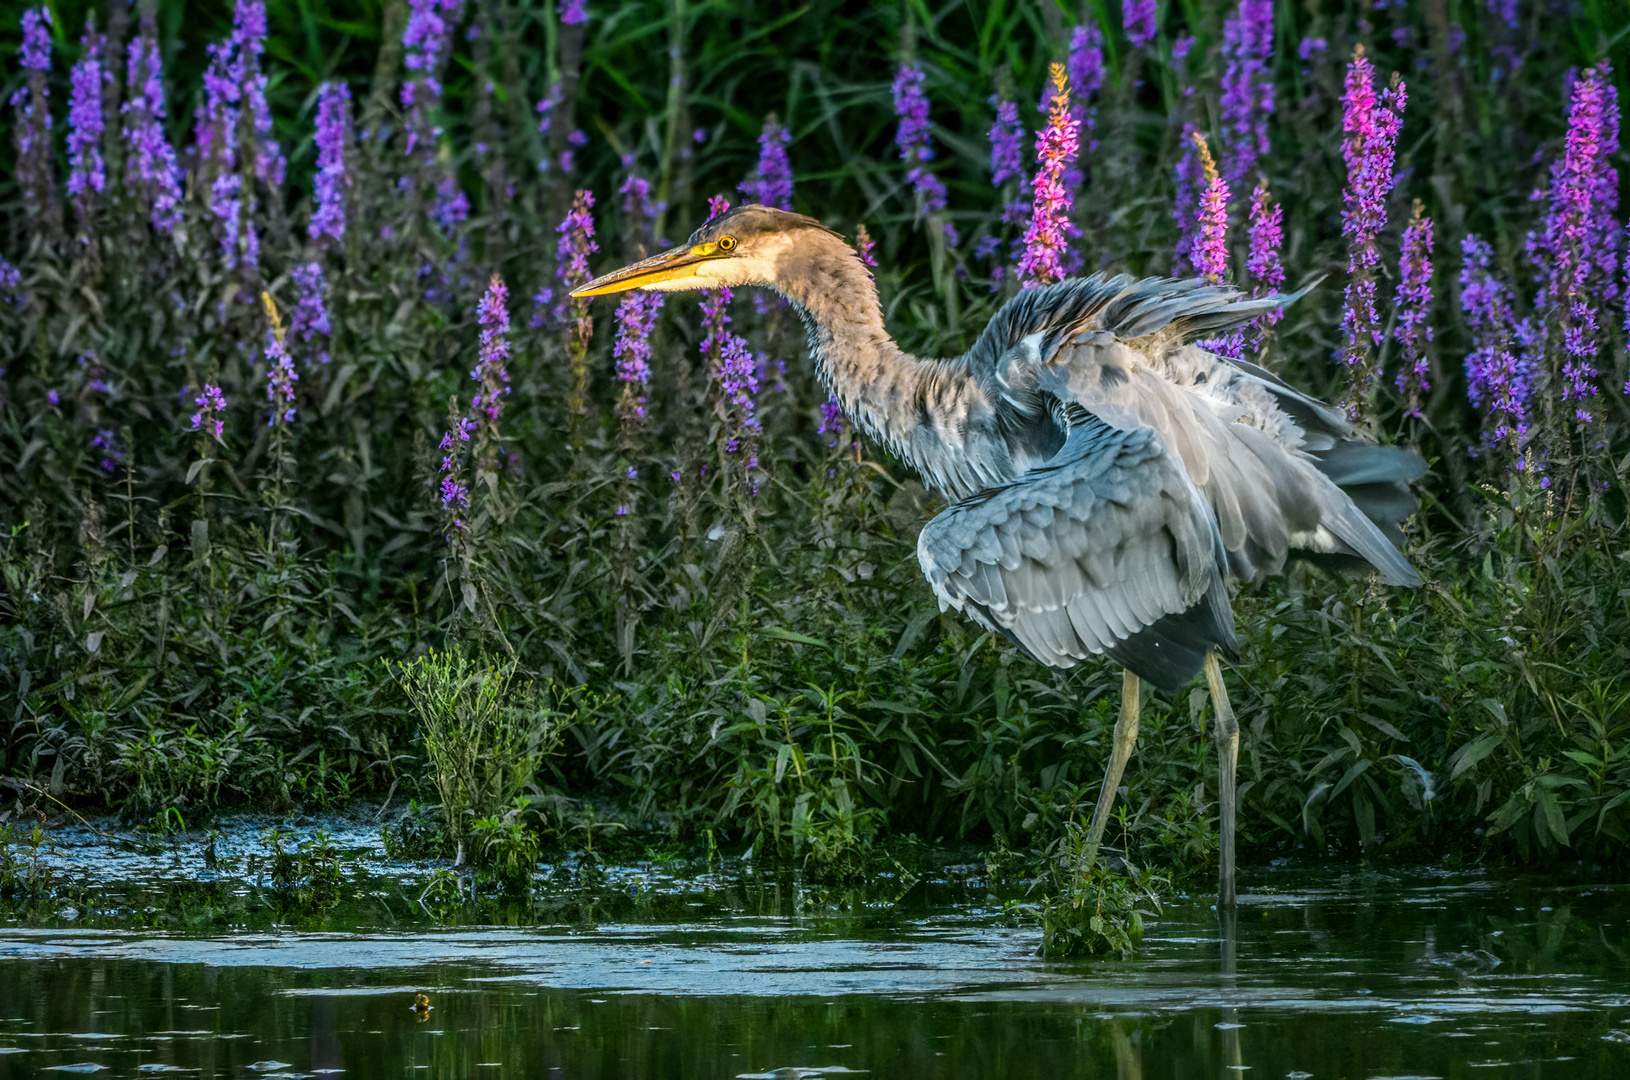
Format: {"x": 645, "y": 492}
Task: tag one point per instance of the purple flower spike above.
{"x": 1498, "y": 381}
{"x": 491, "y": 372}
{"x": 771, "y": 185}
{"x": 1577, "y": 252}
{"x": 1186, "y": 200}
{"x": 1247, "y": 87}
{"x": 571, "y": 270}
{"x": 308, "y": 319}
{"x": 1006, "y": 150}
{"x": 280, "y": 379}
{"x": 1211, "y": 244}
{"x": 31, "y": 130}
{"x": 249, "y": 38}
{"x": 86, "y": 172}
{"x": 572, "y": 12}
{"x": 150, "y": 162}
{"x": 1047, "y": 238}
{"x": 1138, "y": 19}
{"x": 864, "y": 245}
{"x": 631, "y": 349}
{"x": 211, "y": 411}
{"x": 917, "y": 145}
{"x": 36, "y": 51}
{"x": 426, "y": 43}
{"x": 1210, "y": 252}
{"x": 1085, "y": 68}
{"x": 333, "y": 127}
{"x": 572, "y": 251}
{"x": 1371, "y": 124}
{"x": 1262, "y": 263}
{"x": 1414, "y": 308}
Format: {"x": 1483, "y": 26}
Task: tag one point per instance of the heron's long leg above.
{"x": 1227, "y": 765}
{"x": 1126, "y": 737}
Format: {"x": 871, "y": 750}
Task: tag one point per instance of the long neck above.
{"x": 942, "y": 418}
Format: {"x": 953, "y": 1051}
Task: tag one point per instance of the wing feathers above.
{"x": 1085, "y": 554}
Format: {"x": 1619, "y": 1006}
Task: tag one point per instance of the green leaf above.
{"x": 794, "y": 636}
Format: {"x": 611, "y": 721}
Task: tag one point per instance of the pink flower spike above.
{"x": 1046, "y": 239}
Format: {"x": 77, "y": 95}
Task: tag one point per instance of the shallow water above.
{"x": 1327, "y": 972}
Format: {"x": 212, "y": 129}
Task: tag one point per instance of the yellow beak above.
{"x": 647, "y": 272}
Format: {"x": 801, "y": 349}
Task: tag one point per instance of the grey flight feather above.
{"x": 1086, "y": 553}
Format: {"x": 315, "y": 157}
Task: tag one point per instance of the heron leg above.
{"x": 1126, "y": 737}
{"x": 1227, "y": 768}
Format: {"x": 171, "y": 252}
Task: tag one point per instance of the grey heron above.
{"x": 1106, "y": 475}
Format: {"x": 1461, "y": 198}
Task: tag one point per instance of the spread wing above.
{"x": 1283, "y": 473}
{"x": 1107, "y": 549}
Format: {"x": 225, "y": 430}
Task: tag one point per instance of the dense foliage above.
{"x": 228, "y": 521}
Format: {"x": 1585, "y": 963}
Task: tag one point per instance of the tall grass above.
{"x": 195, "y": 618}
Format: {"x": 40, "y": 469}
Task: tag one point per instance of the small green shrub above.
{"x": 485, "y": 732}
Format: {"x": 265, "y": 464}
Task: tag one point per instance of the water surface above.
{"x": 1327, "y": 973}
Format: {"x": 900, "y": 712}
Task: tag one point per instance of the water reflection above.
{"x": 1368, "y": 976}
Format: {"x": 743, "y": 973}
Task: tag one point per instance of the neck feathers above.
{"x": 962, "y": 430}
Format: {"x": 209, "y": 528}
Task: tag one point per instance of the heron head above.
{"x": 746, "y": 246}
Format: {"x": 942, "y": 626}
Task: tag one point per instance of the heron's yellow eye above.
{"x": 727, "y": 243}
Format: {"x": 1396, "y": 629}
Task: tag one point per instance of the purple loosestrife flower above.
{"x": 1047, "y": 238}
{"x": 917, "y": 145}
{"x": 1085, "y": 68}
{"x": 1006, "y": 150}
{"x": 333, "y": 127}
{"x": 1186, "y": 200}
{"x": 771, "y": 184}
{"x": 1305, "y": 50}
{"x": 211, "y": 411}
{"x": 491, "y": 373}
{"x": 833, "y": 422}
{"x": 1006, "y": 164}
{"x": 1210, "y": 252}
{"x": 150, "y": 163}
{"x": 11, "y": 283}
{"x": 1211, "y": 242}
{"x": 1498, "y": 382}
{"x": 571, "y": 270}
{"x": 308, "y": 319}
{"x": 249, "y": 38}
{"x": 1138, "y": 19}
{"x": 1414, "y": 309}
{"x": 86, "y": 171}
{"x": 1262, "y": 263}
{"x": 1247, "y": 87}
{"x": 1370, "y": 123}
{"x": 452, "y": 207}
{"x": 426, "y": 43}
{"x": 572, "y": 13}
{"x": 280, "y": 379}
{"x": 631, "y": 349}
{"x": 451, "y": 486}
{"x": 1580, "y": 238}
{"x": 864, "y": 245}
{"x": 112, "y": 453}
{"x": 572, "y": 251}
{"x": 31, "y": 130}
{"x": 216, "y": 134}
